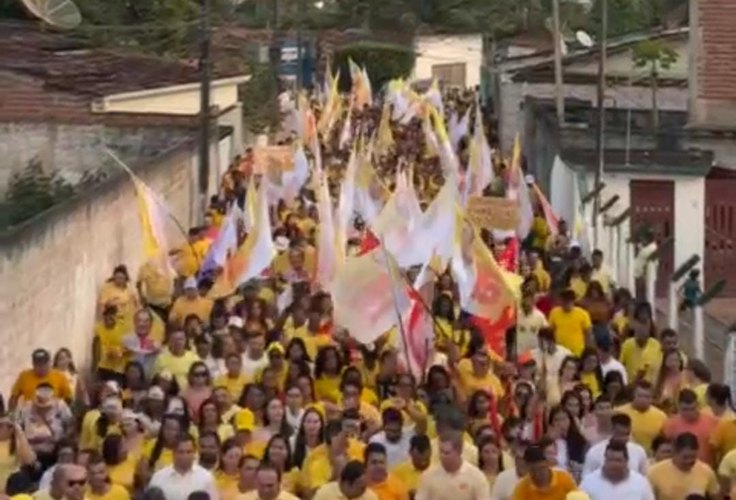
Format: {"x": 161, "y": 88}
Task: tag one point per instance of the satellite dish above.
{"x": 584, "y": 39}
{"x": 62, "y": 14}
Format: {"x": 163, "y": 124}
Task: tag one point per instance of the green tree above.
{"x": 382, "y": 61}
{"x": 261, "y": 112}
{"x": 654, "y": 55}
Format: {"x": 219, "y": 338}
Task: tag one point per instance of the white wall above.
{"x": 178, "y": 102}
{"x": 434, "y": 50}
{"x": 689, "y": 209}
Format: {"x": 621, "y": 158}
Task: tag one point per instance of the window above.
{"x": 451, "y": 75}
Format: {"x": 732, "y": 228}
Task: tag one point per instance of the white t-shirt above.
{"x": 503, "y": 488}
{"x": 178, "y": 486}
{"x": 634, "y": 487}
{"x": 527, "y": 327}
{"x": 596, "y": 454}
{"x": 251, "y": 367}
{"x": 614, "y": 365}
{"x": 395, "y": 452}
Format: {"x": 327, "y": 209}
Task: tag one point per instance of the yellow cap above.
{"x": 577, "y": 495}
{"x": 245, "y": 421}
{"x": 275, "y": 347}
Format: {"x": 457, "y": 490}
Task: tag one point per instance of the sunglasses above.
{"x": 76, "y": 482}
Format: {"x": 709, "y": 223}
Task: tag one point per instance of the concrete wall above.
{"x": 52, "y": 267}
{"x": 623, "y": 97}
{"x": 72, "y": 149}
{"x": 450, "y": 49}
{"x": 184, "y": 100}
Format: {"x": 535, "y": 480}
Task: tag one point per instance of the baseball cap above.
{"x": 41, "y": 356}
{"x": 245, "y": 421}
{"x": 275, "y": 348}
{"x": 190, "y": 283}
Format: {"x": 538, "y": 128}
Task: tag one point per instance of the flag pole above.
{"x": 402, "y": 332}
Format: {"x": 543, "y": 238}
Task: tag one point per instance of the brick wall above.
{"x": 52, "y": 267}
{"x": 713, "y": 62}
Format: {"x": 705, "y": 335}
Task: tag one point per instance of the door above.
{"x": 720, "y": 233}
{"x": 653, "y": 207}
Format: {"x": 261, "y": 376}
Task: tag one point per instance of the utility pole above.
{"x": 600, "y": 136}
{"x": 556, "y": 39}
{"x": 299, "y": 57}
{"x": 205, "y": 71}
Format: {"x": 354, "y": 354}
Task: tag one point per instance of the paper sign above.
{"x": 491, "y": 212}
{"x": 268, "y": 158}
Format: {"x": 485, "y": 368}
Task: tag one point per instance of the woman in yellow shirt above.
{"x": 159, "y": 453}
{"x": 99, "y": 486}
{"x": 227, "y": 474}
{"x": 121, "y": 463}
{"x": 117, "y": 291}
{"x": 278, "y": 455}
{"x": 14, "y": 450}
{"x": 671, "y": 380}
{"x": 210, "y": 420}
{"x": 309, "y": 436}
{"x": 591, "y": 374}
{"x": 328, "y": 374}
{"x": 109, "y": 356}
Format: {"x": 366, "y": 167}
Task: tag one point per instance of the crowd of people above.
{"x": 246, "y": 397}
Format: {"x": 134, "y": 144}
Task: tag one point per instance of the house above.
{"x": 54, "y": 91}
{"x": 520, "y": 72}
{"x": 680, "y": 179}
{"x": 64, "y": 105}
{"x": 455, "y": 60}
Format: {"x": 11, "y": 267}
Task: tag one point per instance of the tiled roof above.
{"x": 67, "y": 65}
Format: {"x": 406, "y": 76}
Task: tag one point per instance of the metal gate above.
{"x": 720, "y": 231}
{"x": 653, "y": 206}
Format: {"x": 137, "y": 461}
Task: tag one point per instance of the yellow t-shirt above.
{"x": 233, "y": 385}
{"x": 646, "y": 359}
{"x": 123, "y": 474}
{"x": 164, "y": 460}
{"x": 124, "y": 298}
{"x": 178, "y": 366}
{"x": 26, "y": 383}
{"x": 723, "y": 438}
{"x": 327, "y": 388}
{"x": 471, "y": 382}
{"x": 645, "y": 426}
{"x": 183, "y": 307}
{"x": 545, "y": 281}
{"x": 115, "y": 492}
{"x": 562, "y": 484}
{"x": 570, "y": 328}
{"x": 578, "y": 286}
{"x": 591, "y": 381}
{"x": 390, "y": 489}
{"x": 156, "y": 287}
{"x": 112, "y": 352}
{"x": 671, "y": 483}
{"x": 8, "y": 463}
{"x": 727, "y": 467}
{"x": 407, "y": 474}
{"x": 317, "y": 468}
{"x": 227, "y": 484}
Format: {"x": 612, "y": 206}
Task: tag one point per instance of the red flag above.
{"x": 509, "y": 257}
{"x": 368, "y": 243}
{"x": 549, "y": 214}
{"x": 494, "y": 332}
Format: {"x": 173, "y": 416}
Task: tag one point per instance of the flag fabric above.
{"x": 253, "y": 256}
{"x": 332, "y": 106}
{"x": 458, "y": 128}
{"x": 448, "y": 158}
{"x": 152, "y": 215}
{"x": 327, "y": 253}
{"x": 434, "y": 97}
{"x": 249, "y": 215}
{"x": 294, "y": 180}
{"x": 361, "y": 86}
{"x": 487, "y": 292}
{"x": 385, "y": 138}
{"x": 365, "y": 298}
{"x": 346, "y": 204}
{"x": 480, "y": 165}
{"x": 224, "y": 245}
{"x": 418, "y": 336}
{"x": 549, "y": 213}
{"x": 346, "y": 134}
{"x": 519, "y": 191}
{"x": 368, "y": 243}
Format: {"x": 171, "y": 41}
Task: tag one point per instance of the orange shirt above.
{"x": 27, "y": 381}
{"x": 562, "y": 483}
{"x": 390, "y": 489}
{"x": 703, "y": 427}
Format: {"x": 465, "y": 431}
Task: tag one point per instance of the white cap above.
{"x": 155, "y": 392}
{"x": 235, "y": 322}
{"x": 529, "y": 179}
{"x": 575, "y": 244}
{"x": 190, "y": 282}
{"x": 281, "y": 243}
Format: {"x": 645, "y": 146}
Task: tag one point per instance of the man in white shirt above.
{"x": 614, "y": 480}
{"x": 255, "y": 358}
{"x": 528, "y": 323}
{"x": 621, "y": 432}
{"x": 393, "y": 437}
{"x": 550, "y": 355}
{"x": 607, "y": 361}
{"x": 184, "y": 476}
